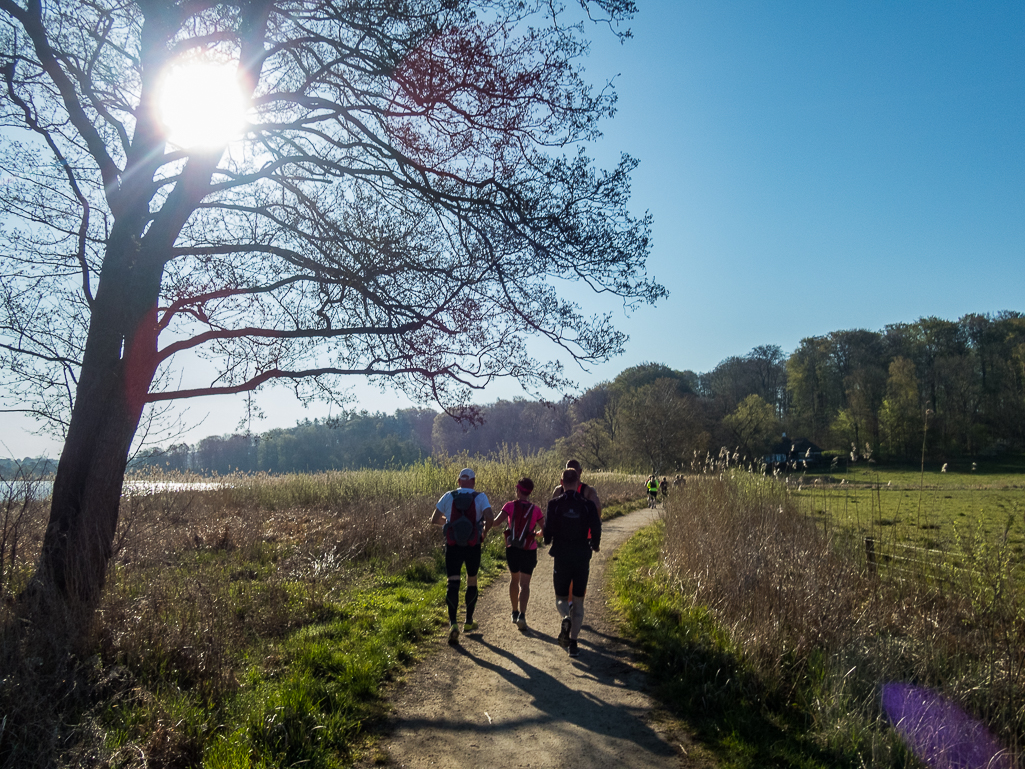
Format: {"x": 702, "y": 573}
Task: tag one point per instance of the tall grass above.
{"x": 247, "y": 620}
{"x": 823, "y": 634}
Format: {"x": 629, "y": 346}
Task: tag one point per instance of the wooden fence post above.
{"x": 870, "y": 554}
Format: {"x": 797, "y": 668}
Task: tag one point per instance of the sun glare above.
{"x": 201, "y": 105}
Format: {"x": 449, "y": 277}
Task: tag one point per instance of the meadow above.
{"x": 255, "y": 623}
{"x": 257, "y": 620}
{"x": 922, "y": 522}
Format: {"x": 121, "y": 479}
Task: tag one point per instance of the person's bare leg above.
{"x": 524, "y": 592}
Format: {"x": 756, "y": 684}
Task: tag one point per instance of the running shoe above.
{"x": 573, "y": 650}
{"x": 453, "y": 634}
{"x": 564, "y": 633}
{"x": 521, "y": 622}
{"x": 516, "y": 617}
{"x": 469, "y": 627}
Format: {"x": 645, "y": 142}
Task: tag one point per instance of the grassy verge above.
{"x": 701, "y": 674}
{"x": 303, "y": 698}
{"x": 772, "y": 638}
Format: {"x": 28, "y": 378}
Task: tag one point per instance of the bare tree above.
{"x": 406, "y": 196}
{"x": 659, "y": 425}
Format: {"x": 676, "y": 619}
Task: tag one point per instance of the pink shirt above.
{"x": 535, "y": 516}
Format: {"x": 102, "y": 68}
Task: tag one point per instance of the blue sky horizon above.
{"x": 810, "y": 167}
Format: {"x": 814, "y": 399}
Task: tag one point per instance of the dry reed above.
{"x": 825, "y": 633}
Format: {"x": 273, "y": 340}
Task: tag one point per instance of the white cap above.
{"x": 466, "y": 473}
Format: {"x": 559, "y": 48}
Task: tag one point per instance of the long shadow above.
{"x": 556, "y": 703}
{"x": 602, "y": 665}
{"x": 629, "y": 643}
{"x": 721, "y": 701}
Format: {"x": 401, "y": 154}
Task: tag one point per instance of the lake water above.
{"x": 18, "y": 489}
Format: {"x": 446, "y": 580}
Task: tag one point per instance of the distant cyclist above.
{"x": 465, "y": 515}
{"x": 523, "y": 518}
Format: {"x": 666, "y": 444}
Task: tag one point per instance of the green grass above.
{"x": 925, "y": 517}
{"x": 305, "y": 693}
{"x": 1005, "y": 472}
{"x": 777, "y": 629}
{"x": 701, "y": 675}
{"x": 926, "y": 523}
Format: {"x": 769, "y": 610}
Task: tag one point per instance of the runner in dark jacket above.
{"x": 569, "y": 518}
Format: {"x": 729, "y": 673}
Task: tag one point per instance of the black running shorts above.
{"x": 457, "y": 555}
{"x": 574, "y": 570}
{"x": 520, "y": 560}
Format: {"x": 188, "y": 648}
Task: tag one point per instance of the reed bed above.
{"x": 822, "y": 633}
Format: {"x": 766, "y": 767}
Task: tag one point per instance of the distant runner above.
{"x": 569, "y": 519}
{"x": 652, "y": 487}
{"x": 466, "y": 517}
{"x": 523, "y": 518}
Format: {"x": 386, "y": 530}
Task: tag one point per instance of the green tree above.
{"x": 813, "y": 400}
{"x": 635, "y": 377}
{"x": 591, "y": 443}
{"x": 753, "y": 425}
{"x": 901, "y": 415}
{"x": 397, "y": 205}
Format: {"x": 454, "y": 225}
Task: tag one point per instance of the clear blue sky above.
{"x": 810, "y": 166}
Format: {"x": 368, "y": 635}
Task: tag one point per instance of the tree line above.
{"x": 955, "y": 387}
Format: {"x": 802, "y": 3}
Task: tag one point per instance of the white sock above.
{"x": 562, "y": 605}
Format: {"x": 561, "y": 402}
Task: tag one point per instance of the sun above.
{"x": 201, "y": 105}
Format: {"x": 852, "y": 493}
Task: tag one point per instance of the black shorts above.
{"x": 457, "y": 555}
{"x": 520, "y": 560}
{"x": 573, "y": 570}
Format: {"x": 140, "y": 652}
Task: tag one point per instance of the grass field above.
{"x": 922, "y": 521}
{"x": 929, "y": 517}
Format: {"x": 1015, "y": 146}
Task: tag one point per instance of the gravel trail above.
{"x": 505, "y": 698}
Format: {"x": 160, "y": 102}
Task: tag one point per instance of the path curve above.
{"x": 503, "y": 698}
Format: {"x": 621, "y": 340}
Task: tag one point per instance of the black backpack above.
{"x": 462, "y": 527}
{"x": 575, "y": 525}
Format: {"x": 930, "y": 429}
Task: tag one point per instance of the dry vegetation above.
{"x": 823, "y": 633}
{"x": 209, "y": 582}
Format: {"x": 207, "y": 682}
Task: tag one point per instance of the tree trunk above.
{"x": 87, "y": 493}
{"x": 117, "y": 369}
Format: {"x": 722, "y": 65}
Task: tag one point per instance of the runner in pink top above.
{"x": 522, "y": 518}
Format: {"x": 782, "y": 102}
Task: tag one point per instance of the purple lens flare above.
{"x": 939, "y": 732}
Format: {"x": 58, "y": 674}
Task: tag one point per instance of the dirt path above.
{"x": 503, "y": 698}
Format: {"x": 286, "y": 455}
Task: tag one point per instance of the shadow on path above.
{"x": 554, "y": 702}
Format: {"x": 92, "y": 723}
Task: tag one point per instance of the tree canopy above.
{"x": 403, "y": 199}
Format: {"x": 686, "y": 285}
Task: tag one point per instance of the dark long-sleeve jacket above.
{"x": 569, "y": 518}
